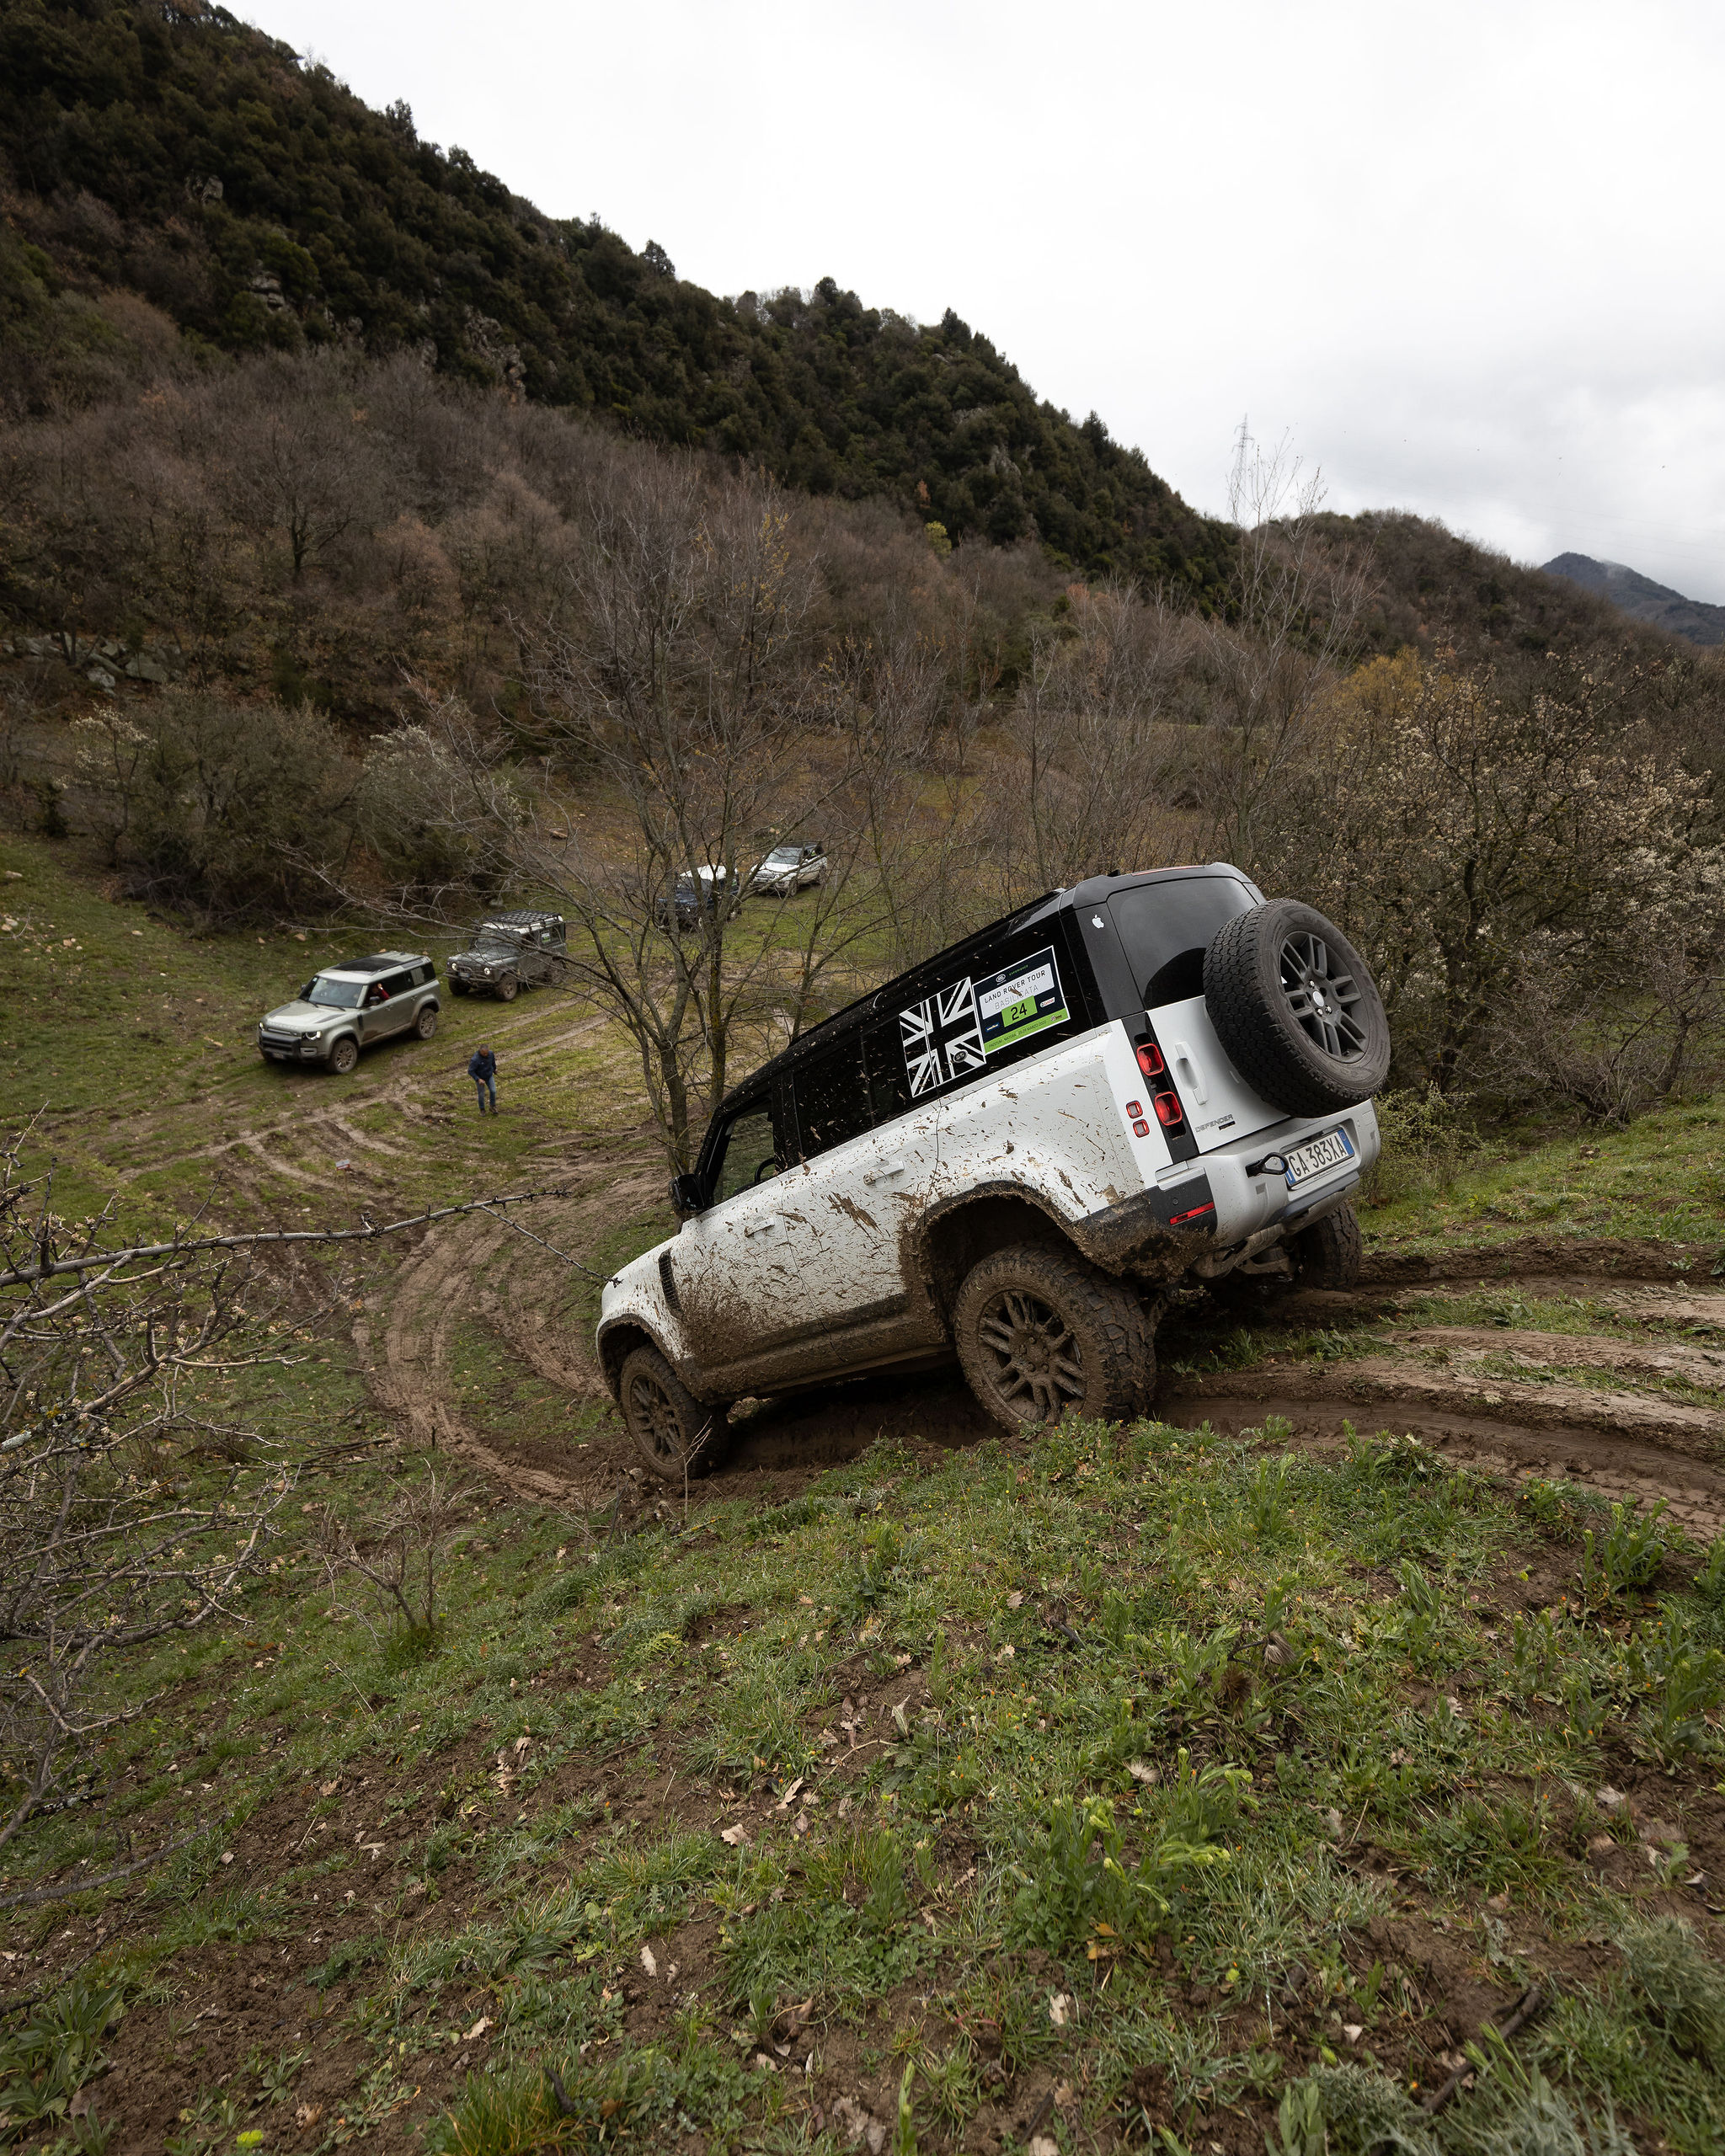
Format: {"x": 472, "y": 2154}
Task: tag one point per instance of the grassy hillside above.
{"x": 772, "y": 1817}
{"x": 182, "y": 156}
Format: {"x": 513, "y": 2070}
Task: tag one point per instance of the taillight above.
{"x": 1150, "y": 1059}
{"x": 1167, "y": 1109}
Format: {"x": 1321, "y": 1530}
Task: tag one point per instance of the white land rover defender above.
{"x": 1011, "y": 1154}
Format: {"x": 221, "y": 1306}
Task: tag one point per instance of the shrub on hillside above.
{"x": 222, "y": 810}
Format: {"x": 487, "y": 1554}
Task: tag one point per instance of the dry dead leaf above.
{"x": 478, "y": 2030}
{"x": 648, "y": 1963}
{"x": 736, "y": 1836}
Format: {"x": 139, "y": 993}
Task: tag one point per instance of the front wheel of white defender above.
{"x": 675, "y": 1436}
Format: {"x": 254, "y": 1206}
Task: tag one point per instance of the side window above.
{"x": 889, "y": 1082}
{"x": 749, "y": 1153}
{"x": 399, "y": 984}
{"x": 832, "y": 1099}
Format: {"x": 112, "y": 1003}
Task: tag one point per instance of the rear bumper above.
{"x": 1201, "y": 1207}
{"x": 1248, "y": 1202}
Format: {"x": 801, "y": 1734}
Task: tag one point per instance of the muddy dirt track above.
{"x": 1624, "y": 1400}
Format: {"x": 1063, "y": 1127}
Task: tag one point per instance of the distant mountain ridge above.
{"x": 1633, "y": 593}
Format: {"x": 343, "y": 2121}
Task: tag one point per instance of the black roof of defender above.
{"x": 1114, "y": 981}
{"x": 378, "y": 962}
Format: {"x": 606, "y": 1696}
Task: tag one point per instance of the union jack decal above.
{"x": 943, "y": 1038}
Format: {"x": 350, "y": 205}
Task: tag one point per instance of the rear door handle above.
{"x": 762, "y": 1228}
{"x": 1186, "y": 1069}
{"x": 886, "y": 1170}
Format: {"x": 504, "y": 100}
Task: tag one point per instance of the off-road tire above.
{"x": 1043, "y": 1336}
{"x": 507, "y": 989}
{"x": 675, "y": 1437}
{"x": 426, "y": 1023}
{"x": 1295, "y": 1009}
{"x": 344, "y": 1056}
{"x": 1328, "y": 1253}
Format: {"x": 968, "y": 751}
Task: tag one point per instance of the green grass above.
{"x": 139, "y": 1039}
{"x": 1079, "y": 1772}
{"x": 959, "y": 1887}
{"x": 1662, "y": 1179}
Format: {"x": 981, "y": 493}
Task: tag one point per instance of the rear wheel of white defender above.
{"x": 1043, "y": 1336}
{"x": 1328, "y": 1253}
{"x": 673, "y": 1435}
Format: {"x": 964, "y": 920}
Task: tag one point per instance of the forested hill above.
{"x": 173, "y": 151}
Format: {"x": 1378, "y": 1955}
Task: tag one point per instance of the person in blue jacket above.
{"x": 481, "y": 1069}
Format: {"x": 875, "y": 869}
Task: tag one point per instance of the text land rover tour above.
{"x": 1013, "y": 1153}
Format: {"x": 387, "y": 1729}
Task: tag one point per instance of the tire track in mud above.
{"x": 414, "y": 1091}
{"x": 480, "y": 1267}
{"x": 1498, "y": 1397}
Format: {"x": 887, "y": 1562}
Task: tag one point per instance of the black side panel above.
{"x": 888, "y": 1083}
{"x": 1108, "y": 971}
{"x": 831, "y": 1096}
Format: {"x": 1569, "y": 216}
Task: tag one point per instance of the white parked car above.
{"x": 1012, "y": 1154}
{"x": 788, "y": 869}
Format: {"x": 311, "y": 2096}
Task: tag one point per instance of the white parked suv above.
{"x": 1012, "y": 1154}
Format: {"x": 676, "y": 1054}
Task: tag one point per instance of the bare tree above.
{"x": 1613, "y": 1017}
{"x": 1463, "y": 837}
{"x": 105, "y": 1546}
{"x": 1091, "y": 723}
{"x": 678, "y": 717}
{"x": 1297, "y": 603}
{"x": 298, "y": 464}
{"x": 399, "y": 1558}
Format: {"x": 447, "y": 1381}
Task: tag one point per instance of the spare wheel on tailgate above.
{"x": 1296, "y": 1009}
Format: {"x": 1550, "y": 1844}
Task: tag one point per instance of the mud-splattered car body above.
{"x": 1055, "y": 1081}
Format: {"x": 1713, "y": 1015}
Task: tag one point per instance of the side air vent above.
{"x": 668, "y": 1283}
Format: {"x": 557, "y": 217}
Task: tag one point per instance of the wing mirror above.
{"x": 686, "y": 1195}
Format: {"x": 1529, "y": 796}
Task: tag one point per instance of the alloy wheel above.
{"x": 1321, "y": 999}
{"x": 654, "y": 1418}
{"x": 1033, "y": 1358}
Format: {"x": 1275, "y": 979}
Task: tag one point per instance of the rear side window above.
{"x": 889, "y": 1081}
{"x": 399, "y": 984}
{"x": 748, "y": 1152}
{"x": 832, "y": 1099}
{"x": 1167, "y": 927}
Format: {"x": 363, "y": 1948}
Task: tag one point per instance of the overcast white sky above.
{"x": 1468, "y": 255}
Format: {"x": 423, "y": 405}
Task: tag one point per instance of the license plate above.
{"x": 1329, "y": 1151}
